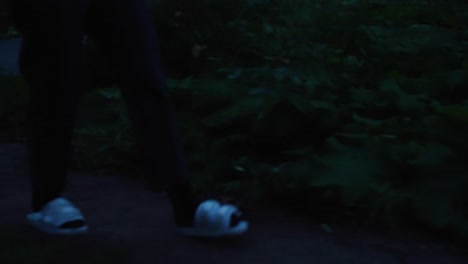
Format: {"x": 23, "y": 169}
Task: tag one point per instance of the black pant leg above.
{"x": 50, "y": 62}
{"x": 124, "y": 31}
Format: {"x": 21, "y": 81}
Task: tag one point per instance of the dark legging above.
{"x": 50, "y": 62}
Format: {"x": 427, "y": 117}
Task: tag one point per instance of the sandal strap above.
{"x": 211, "y": 215}
{"x": 60, "y": 211}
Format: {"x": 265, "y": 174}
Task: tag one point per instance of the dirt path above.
{"x": 132, "y": 225}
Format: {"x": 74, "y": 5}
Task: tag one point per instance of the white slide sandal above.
{"x": 54, "y": 215}
{"x": 214, "y": 220}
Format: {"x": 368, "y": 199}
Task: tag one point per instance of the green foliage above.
{"x": 438, "y": 201}
{"x": 103, "y": 133}
{"x": 6, "y": 29}
{"x": 365, "y": 97}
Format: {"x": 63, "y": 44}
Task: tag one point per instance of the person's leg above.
{"x": 50, "y": 63}
{"x": 124, "y": 31}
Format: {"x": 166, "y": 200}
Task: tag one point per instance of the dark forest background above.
{"x": 348, "y": 111}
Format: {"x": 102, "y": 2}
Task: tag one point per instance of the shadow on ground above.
{"x": 22, "y": 245}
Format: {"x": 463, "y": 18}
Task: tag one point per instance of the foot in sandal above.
{"x": 213, "y": 219}
{"x": 58, "y": 217}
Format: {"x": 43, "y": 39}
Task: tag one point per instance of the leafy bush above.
{"x": 361, "y": 96}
